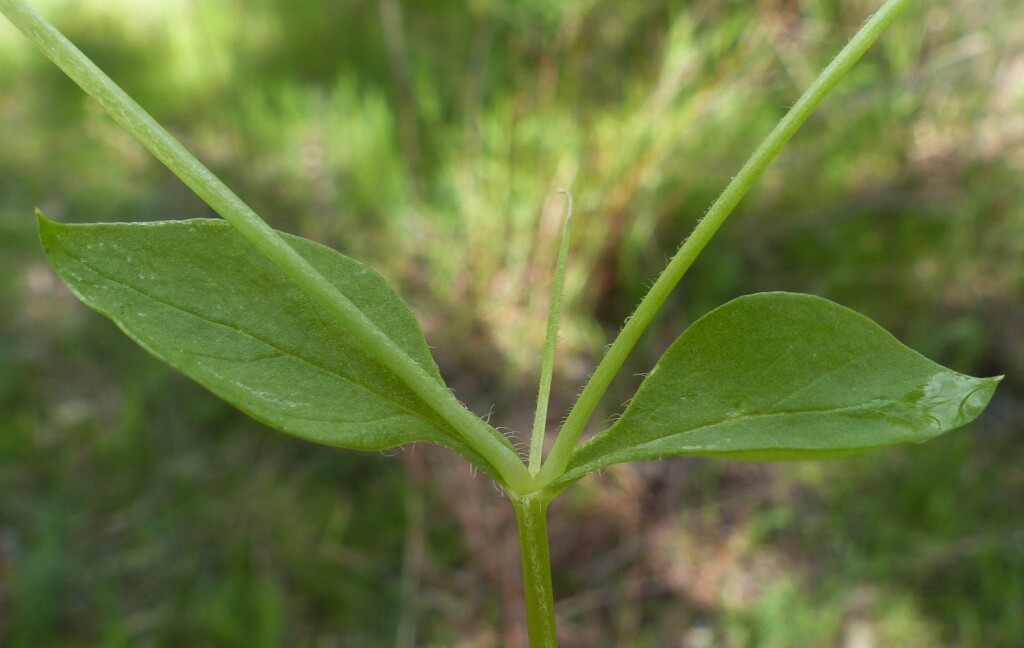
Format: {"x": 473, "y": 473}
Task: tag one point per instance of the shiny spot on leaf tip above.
{"x": 950, "y": 400}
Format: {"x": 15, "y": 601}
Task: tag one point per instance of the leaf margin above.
{"x": 579, "y": 465}
{"x": 447, "y": 436}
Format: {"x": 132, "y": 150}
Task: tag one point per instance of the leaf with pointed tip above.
{"x": 783, "y": 376}
{"x": 198, "y": 296}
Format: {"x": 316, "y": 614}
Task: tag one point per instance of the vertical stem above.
{"x": 531, "y": 517}
{"x": 547, "y": 365}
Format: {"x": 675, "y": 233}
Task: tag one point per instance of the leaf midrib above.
{"x": 732, "y": 419}
{"x": 282, "y": 352}
{"x": 790, "y": 394}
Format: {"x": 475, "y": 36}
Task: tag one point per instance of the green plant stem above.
{"x": 490, "y": 443}
{"x": 531, "y": 518}
{"x": 558, "y": 459}
{"x": 547, "y": 366}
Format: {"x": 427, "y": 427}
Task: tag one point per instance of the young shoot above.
{"x": 547, "y": 366}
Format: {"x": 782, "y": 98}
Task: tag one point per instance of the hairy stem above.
{"x": 616, "y": 355}
{"x": 531, "y": 518}
{"x": 547, "y": 365}
{"x": 490, "y": 443}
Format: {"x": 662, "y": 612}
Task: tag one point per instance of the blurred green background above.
{"x": 427, "y": 139}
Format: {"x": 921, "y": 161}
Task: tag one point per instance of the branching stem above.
{"x": 526, "y": 485}
{"x": 565, "y": 443}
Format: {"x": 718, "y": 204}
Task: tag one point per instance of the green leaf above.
{"x": 199, "y": 297}
{"x": 781, "y": 376}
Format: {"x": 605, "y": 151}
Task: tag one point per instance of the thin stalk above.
{"x": 558, "y": 458}
{"x": 531, "y": 518}
{"x": 547, "y": 366}
{"x": 490, "y": 443}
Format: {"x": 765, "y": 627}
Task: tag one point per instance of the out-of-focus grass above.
{"x": 137, "y": 510}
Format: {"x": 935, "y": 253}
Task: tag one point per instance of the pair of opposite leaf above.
{"x": 764, "y": 377}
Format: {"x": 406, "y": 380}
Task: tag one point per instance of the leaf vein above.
{"x": 277, "y": 349}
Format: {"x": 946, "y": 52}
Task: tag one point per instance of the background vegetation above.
{"x": 427, "y": 140}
